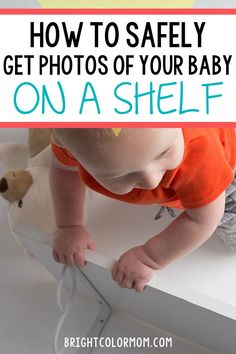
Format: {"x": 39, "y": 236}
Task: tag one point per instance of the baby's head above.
{"x": 136, "y": 158}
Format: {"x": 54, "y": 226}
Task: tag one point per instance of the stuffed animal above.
{"x": 17, "y": 157}
{"x": 26, "y": 188}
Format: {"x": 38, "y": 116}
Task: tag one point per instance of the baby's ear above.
{"x": 15, "y": 184}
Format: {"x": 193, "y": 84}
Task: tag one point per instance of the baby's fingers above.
{"x": 55, "y": 256}
{"x": 79, "y": 259}
{"x": 59, "y": 257}
{"x": 127, "y": 283}
{"x": 70, "y": 261}
{"x": 114, "y": 271}
{"x": 91, "y": 245}
{"x": 139, "y": 286}
{"x": 62, "y": 258}
{"x": 117, "y": 275}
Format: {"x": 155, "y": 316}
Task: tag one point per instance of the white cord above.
{"x": 66, "y": 309}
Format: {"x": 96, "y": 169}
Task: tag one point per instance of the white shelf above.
{"x": 194, "y": 298}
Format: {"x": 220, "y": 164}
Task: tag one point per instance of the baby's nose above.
{"x": 149, "y": 180}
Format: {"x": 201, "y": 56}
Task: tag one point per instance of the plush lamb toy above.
{"x": 27, "y": 188}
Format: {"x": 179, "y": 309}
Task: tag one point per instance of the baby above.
{"x": 188, "y": 169}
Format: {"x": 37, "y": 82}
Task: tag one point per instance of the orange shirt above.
{"x": 205, "y": 172}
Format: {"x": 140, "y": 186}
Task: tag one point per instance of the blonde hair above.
{"x": 63, "y": 134}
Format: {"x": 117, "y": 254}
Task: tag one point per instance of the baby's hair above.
{"x": 90, "y": 133}
{"x": 104, "y": 132}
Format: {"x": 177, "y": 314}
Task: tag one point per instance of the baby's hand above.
{"x": 69, "y": 245}
{"x": 134, "y": 269}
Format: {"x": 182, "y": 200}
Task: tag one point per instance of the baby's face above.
{"x": 137, "y": 159}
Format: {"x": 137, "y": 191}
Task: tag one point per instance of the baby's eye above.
{"x": 120, "y": 178}
{"x": 163, "y": 154}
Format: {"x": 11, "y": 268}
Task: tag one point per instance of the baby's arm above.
{"x": 192, "y": 228}
{"x": 186, "y": 233}
{"x": 68, "y": 193}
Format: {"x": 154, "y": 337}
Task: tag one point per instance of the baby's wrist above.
{"x": 66, "y": 227}
{"x": 69, "y": 232}
{"x": 152, "y": 263}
